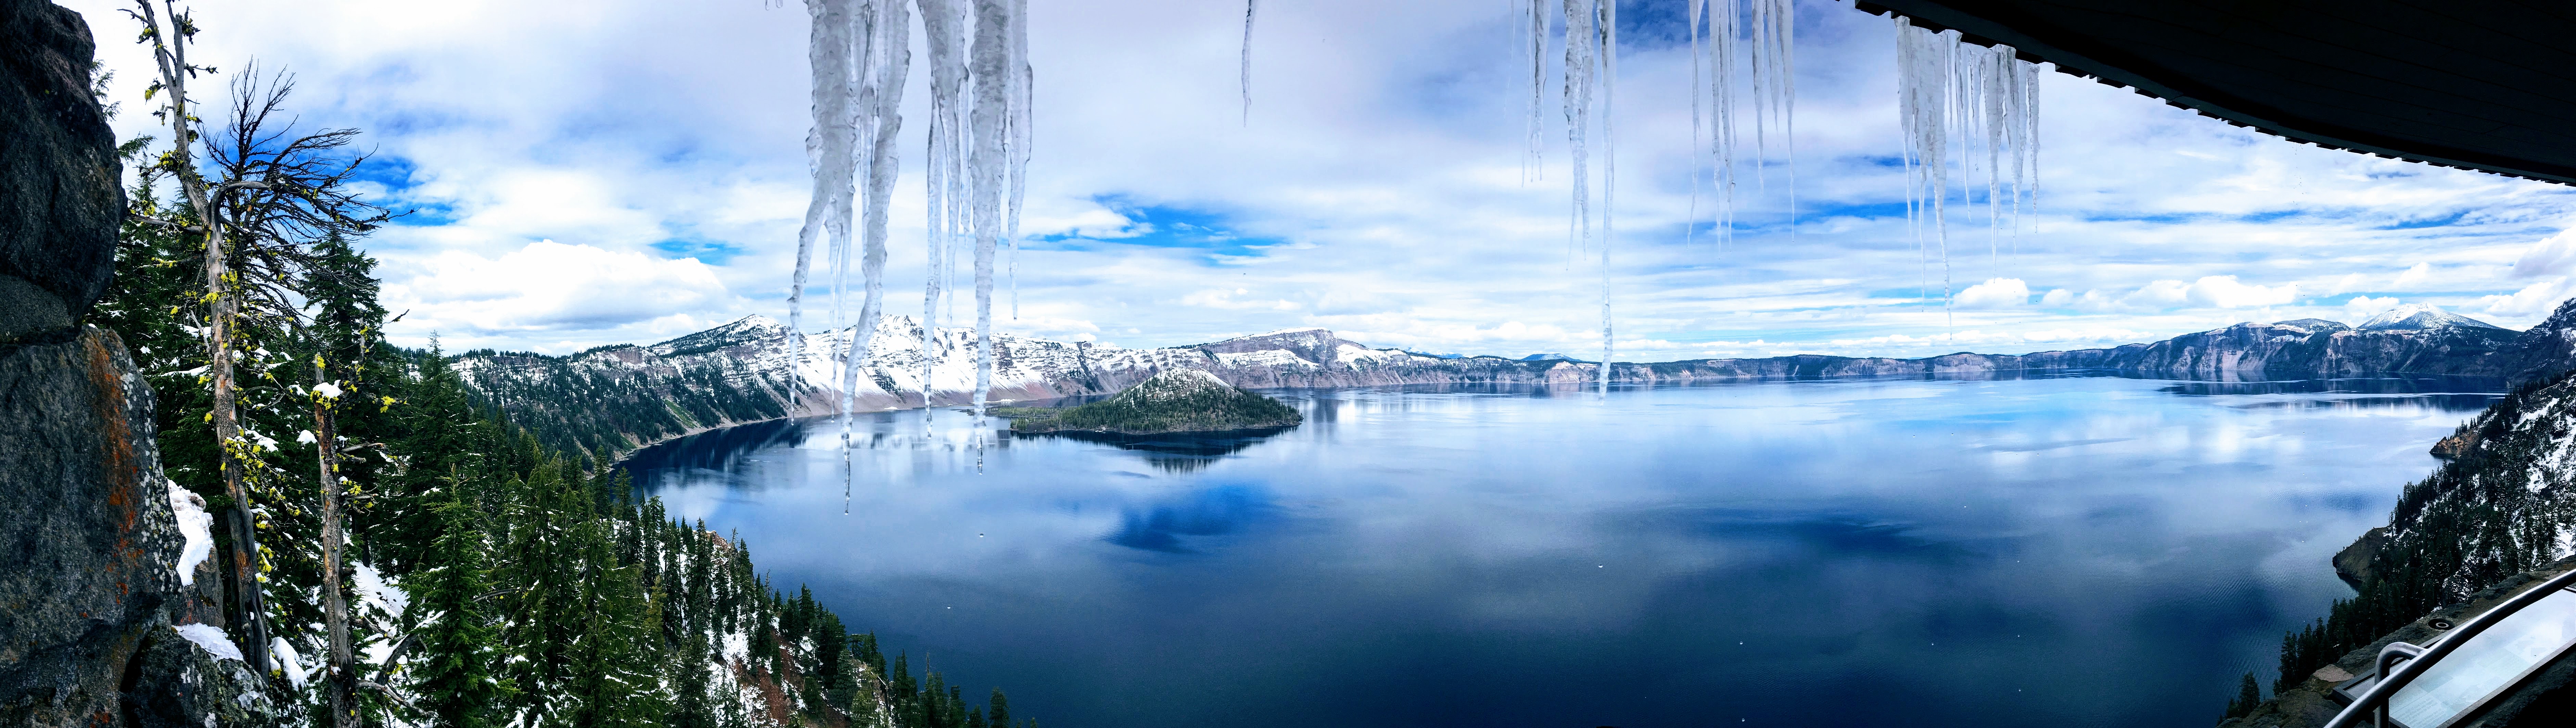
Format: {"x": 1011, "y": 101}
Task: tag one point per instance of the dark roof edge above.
{"x": 2040, "y": 41}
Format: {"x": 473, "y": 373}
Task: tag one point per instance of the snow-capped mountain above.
{"x": 2421, "y": 317}
{"x": 613, "y": 398}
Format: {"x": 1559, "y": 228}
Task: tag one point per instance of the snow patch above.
{"x": 287, "y": 658}
{"x": 196, "y": 526}
{"x": 372, "y": 589}
{"x": 1265, "y": 357}
{"x": 211, "y": 639}
{"x": 737, "y": 647}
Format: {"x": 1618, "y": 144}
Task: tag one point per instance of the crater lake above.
{"x": 2045, "y": 551}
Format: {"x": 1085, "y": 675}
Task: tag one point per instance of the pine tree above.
{"x": 458, "y": 645}
{"x": 2248, "y": 695}
{"x": 690, "y": 707}
{"x": 603, "y": 688}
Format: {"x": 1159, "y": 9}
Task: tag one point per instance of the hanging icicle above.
{"x": 1983, "y": 104}
{"x": 1775, "y": 89}
{"x": 1608, "y": 46}
{"x": 1740, "y": 50}
{"x": 1001, "y": 81}
{"x": 858, "y": 50}
{"x": 831, "y": 156}
{"x": 861, "y": 55}
{"x": 1591, "y": 64}
{"x": 1249, "y": 7}
{"x": 1534, "y": 24}
{"x": 943, "y": 28}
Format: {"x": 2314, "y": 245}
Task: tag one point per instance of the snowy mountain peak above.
{"x": 2421, "y": 317}
{"x": 748, "y": 330}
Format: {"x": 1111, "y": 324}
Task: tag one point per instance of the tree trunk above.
{"x": 248, "y": 609}
{"x": 335, "y": 606}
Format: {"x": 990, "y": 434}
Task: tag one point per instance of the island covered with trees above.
{"x": 1172, "y": 402}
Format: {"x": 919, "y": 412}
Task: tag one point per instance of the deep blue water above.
{"x": 2080, "y": 551}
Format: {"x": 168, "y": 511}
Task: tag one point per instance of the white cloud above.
{"x": 2553, "y": 255}
{"x": 1376, "y": 189}
{"x": 2413, "y": 275}
{"x": 1995, "y": 293}
{"x": 548, "y": 287}
{"x": 2361, "y": 308}
{"x": 2533, "y": 301}
{"x": 2211, "y": 292}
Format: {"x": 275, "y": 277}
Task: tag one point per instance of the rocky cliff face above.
{"x": 90, "y": 605}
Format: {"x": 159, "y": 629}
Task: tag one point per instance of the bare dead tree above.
{"x": 293, "y": 194}
{"x": 170, "y": 52}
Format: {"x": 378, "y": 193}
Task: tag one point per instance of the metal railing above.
{"x": 2373, "y": 703}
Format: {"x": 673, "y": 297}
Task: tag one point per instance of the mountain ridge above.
{"x": 740, "y": 372}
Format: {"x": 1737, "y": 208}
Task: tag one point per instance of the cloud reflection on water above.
{"x": 1669, "y": 554}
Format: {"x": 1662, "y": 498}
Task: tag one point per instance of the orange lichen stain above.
{"x": 108, "y": 404}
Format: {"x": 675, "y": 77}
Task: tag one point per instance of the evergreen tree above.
{"x": 605, "y": 690}
{"x": 458, "y": 646}
{"x": 690, "y": 707}
{"x": 2248, "y": 695}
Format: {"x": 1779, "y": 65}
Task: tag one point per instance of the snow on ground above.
{"x": 737, "y": 647}
{"x": 194, "y": 524}
{"x": 211, "y": 639}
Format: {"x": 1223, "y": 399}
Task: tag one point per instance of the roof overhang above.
{"x": 2484, "y": 84}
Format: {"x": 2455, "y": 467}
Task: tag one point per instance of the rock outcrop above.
{"x": 91, "y": 600}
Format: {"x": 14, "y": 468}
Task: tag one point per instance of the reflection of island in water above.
{"x": 1179, "y": 452}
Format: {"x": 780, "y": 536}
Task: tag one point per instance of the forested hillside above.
{"x": 388, "y": 547}
{"x": 2499, "y": 504}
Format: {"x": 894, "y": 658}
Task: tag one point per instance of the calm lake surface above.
{"x": 2072, "y": 551}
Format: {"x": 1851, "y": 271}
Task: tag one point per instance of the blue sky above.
{"x": 590, "y": 172}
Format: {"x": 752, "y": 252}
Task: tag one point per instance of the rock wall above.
{"x": 89, "y": 601}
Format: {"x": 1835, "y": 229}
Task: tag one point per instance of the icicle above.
{"x": 1577, "y": 101}
{"x": 1924, "y": 60}
{"x": 1249, "y": 6}
{"x": 1022, "y": 136}
{"x": 1980, "y": 101}
{"x": 1721, "y": 51}
{"x": 997, "y": 27}
{"x": 1536, "y": 24}
{"x": 830, "y": 156}
{"x": 943, "y": 27}
{"x": 891, "y": 57}
{"x": 1774, "y": 86}
{"x": 1609, "y": 49}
